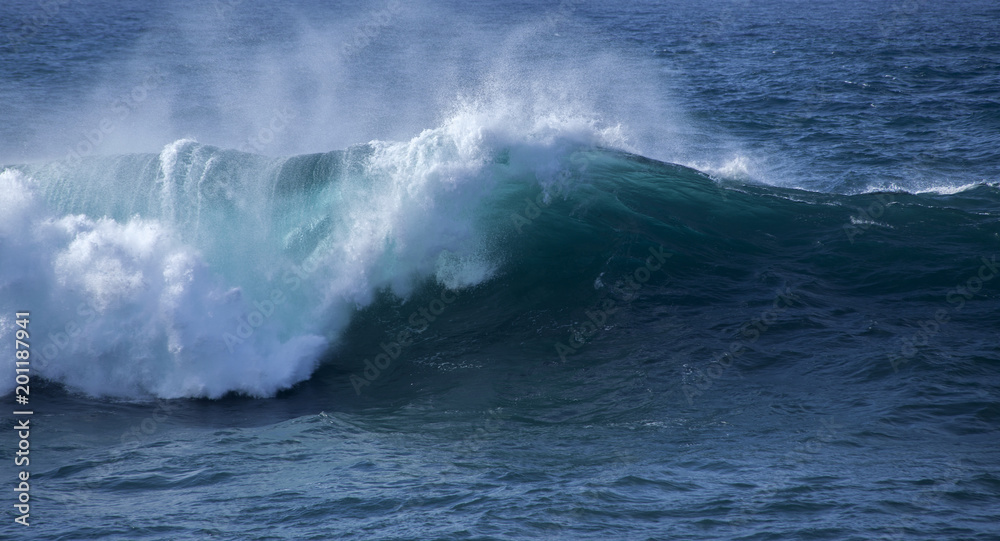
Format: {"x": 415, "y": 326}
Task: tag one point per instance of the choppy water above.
{"x": 561, "y": 271}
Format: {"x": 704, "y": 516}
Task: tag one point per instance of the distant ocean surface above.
{"x": 503, "y": 270}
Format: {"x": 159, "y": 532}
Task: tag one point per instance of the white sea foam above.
{"x": 922, "y": 187}
{"x": 152, "y": 303}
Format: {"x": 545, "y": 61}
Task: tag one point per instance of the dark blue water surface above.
{"x": 642, "y": 270}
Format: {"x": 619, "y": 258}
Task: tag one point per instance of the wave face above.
{"x": 201, "y": 271}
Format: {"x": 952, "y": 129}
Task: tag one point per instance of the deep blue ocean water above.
{"x": 511, "y": 270}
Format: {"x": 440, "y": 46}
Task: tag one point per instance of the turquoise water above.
{"x": 561, "y": 271}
